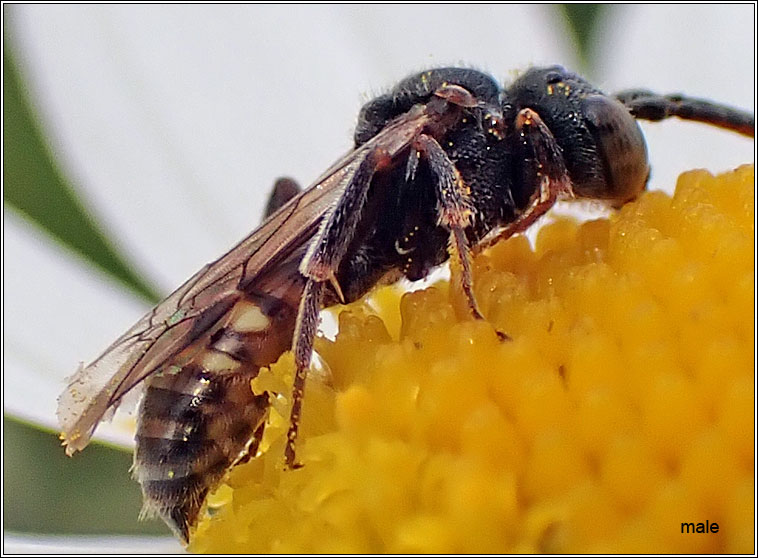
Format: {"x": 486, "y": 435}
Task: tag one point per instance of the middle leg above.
{"x": 456, "y": 212}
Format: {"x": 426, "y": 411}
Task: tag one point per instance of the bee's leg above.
{"x": 651, "y": 106}
{"x": 283, "y": 191}
{"x": 305, "y": 332}
{"x": 319, "y": 266}
{"x": 328, "y": 246}
{"x": 455, "y": 211}
{"x": 545, "y": 169}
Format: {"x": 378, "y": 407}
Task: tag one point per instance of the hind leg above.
{"x": 283, "y": 191}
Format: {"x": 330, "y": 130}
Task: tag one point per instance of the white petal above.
{"x": 166, "y": 117}
{"x": 58, "y": 312}
{"x": 175, "y": 120}
{"x": 393, "y": 40}
{"x": 17, "y": 543}
{"x": 700, "y": 50}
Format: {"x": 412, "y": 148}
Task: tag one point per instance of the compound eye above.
{"x": 620, "y": 147}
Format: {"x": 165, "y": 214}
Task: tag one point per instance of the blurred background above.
{"x": 140, "y": 141}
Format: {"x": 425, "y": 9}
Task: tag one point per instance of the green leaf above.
{"x": 582, "y": 20}
{"x": 35, "y": 188}
{"x": 47, "y": 492}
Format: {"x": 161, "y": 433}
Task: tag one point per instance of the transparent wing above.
{"x": 188, "y": 312}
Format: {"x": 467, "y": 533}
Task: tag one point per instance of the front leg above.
{"x": 545, "y": 170}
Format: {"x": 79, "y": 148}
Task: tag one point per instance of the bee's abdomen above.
{"x": 199, "y": 414}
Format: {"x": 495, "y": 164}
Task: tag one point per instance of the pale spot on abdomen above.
{"x": 248, "y": 317}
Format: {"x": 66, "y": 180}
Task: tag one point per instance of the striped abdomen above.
{"x": 199, "y": 415}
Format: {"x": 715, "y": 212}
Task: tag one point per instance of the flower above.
{"x": 621, "y": 409}
{"x": 165, "y": 118}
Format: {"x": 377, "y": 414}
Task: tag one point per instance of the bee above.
{"x": 444, "y": 165}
